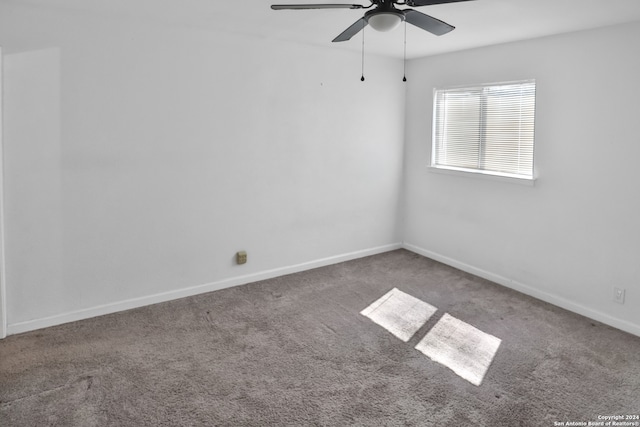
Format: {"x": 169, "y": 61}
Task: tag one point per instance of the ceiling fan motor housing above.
{"x": 384, "y": 18}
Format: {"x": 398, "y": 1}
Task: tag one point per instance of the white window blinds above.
{"x": 487, "y": 129}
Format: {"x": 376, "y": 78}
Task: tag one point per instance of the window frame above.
{"x": 481, "y": 173}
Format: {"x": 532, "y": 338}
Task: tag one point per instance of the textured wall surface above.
{"x": 140, "y": 157}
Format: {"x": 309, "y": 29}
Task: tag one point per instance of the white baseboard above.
{"x": 30, "y": 325}
{"x": 624, "y": 325}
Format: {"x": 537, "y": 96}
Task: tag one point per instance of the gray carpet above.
{"x": 296, "y": 351}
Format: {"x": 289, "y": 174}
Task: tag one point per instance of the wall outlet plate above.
{"x": 618, "y": 295}
{"x": 241, "y": 257}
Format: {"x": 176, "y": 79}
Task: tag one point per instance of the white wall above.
{"x": 576, "y": 233}
{"x": 139, "y": 158}
{"x": 3, "y": 309}
{"x": 33, "y": 180}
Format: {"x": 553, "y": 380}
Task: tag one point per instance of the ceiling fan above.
{"x": 384, "y": 16}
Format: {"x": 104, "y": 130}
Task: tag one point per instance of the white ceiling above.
{"x": 478, "y": 22}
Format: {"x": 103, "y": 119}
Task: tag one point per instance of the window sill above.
{"x": 530, "y": 182}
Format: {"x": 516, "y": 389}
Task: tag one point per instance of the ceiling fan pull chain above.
{"x": 362, "y": 78}
{"x": 404, "y": 71}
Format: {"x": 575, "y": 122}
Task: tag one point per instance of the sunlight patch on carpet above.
{"x": 464, "y": 349}
{"x": 399, "y": 313}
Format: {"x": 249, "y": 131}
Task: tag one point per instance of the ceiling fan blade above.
{"x": 427, "y": 23}
{"x": 415, "y": 3}
{"x": 351, "y": 31}
{"x": 315, "y": 6}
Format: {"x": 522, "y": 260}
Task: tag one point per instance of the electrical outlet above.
{"x": 618, "y": 295}
{"x": 241, "y": 257}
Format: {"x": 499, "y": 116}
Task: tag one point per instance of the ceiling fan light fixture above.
{"x": 385, "y": 21}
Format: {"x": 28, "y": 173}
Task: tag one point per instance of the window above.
{"x": 485, "y": 129}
